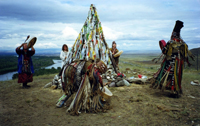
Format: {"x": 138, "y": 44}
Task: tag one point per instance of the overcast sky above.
{"x": 134, "y": 25}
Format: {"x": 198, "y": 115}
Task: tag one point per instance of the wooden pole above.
{"x": 110, "y": 55}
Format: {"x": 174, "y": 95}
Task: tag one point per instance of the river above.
{"x": 8, "y": 76}
{"x": 57, "y": 63}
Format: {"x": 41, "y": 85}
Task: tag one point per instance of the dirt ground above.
{"x": 134, "y": 105}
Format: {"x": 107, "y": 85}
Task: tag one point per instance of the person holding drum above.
{"x": 114, "y": 51}
{"x": 64, "y": 54}
{"x": 25, "y": 65}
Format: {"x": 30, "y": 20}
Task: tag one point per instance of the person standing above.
{"x": 114, "y": 50}
{"x": 175, "y": 52}
{"x": 64, "y": 54}
{"x": 25, "y": 65}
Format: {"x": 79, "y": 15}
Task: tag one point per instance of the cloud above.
{"x": 111, "y": 34}
{"x": 46, "y": 10}
{"x": 138, "y": 24}
{"x": 76, "y": 11}
{"x": 46, "y": 45}
{"x": 69, "y": 33}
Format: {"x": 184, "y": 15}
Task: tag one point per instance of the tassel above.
{"x": 74, "y": 106}
{"x": 96, "y": 41}
{"x": 79, "y": 36}
{"x": 169, "y": 52}
{"x": 165, "y": 81}
{"x": 172, "y": 88}
{"x": 168, "y": 83}
{"x": 93, "y": 53}
{"x": 160, "y": 75}
{"x": 175, "y": 75}
{"x": 80, "y": 56}
{"x": 180, "y": 74}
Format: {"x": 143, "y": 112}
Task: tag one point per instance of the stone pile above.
{"x": 56, "y": 83}
{"x": 111, "y": 79}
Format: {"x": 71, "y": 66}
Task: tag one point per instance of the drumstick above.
{"x": 27, "y": 38}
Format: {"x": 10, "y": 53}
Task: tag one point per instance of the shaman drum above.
{"x": 118, "y": 54}
{"x": 32, "y": 42}
{"x": 105, "y": 92}
{"x": 162, "y": 44}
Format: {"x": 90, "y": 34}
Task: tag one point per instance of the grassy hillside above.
{"x": 195, "y": 51}
{"x": 134, "y": 105}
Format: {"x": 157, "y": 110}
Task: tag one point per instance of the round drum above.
{"x": 162, "y": 44}
{"x": 32, "y": 42}
{"x": 118, "y": 54}
{"x": 105, "y": 93}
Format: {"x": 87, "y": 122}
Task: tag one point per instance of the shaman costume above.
{"x": 25, "y": 66}
{"x": 83, "y": 79}
{"x": 175, "y": 52}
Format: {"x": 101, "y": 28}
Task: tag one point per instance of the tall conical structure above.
{"x": 90, "y": 43}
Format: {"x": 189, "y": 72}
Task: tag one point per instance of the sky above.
{"x": 132, "y": 24}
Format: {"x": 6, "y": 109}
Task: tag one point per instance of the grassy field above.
{"x": 133, "y": 105}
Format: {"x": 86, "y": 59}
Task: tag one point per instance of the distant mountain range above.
{"x": 56, "y": 51}
{"x": 141, "y": 51}
{"x": 195, "y": 51}
{"x": 49, "y": 51}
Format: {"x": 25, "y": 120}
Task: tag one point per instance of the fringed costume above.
{"x": 175, "y": 52}
{"x": 81, "y": 80}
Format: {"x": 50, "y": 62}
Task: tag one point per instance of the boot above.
{"x": 25, "y": 85}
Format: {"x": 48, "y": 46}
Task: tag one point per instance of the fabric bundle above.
{"x": 87, "y": 59}
{"x": 90, "y": 43}
{"x": 85, "y": 99}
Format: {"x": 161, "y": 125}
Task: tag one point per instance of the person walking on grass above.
{"x": 25, "y": 65}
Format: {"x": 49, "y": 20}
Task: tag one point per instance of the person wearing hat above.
{"x": 25, "y": 65}
{"x": 175, "y": 52}
{"x": 114, "y": 50}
